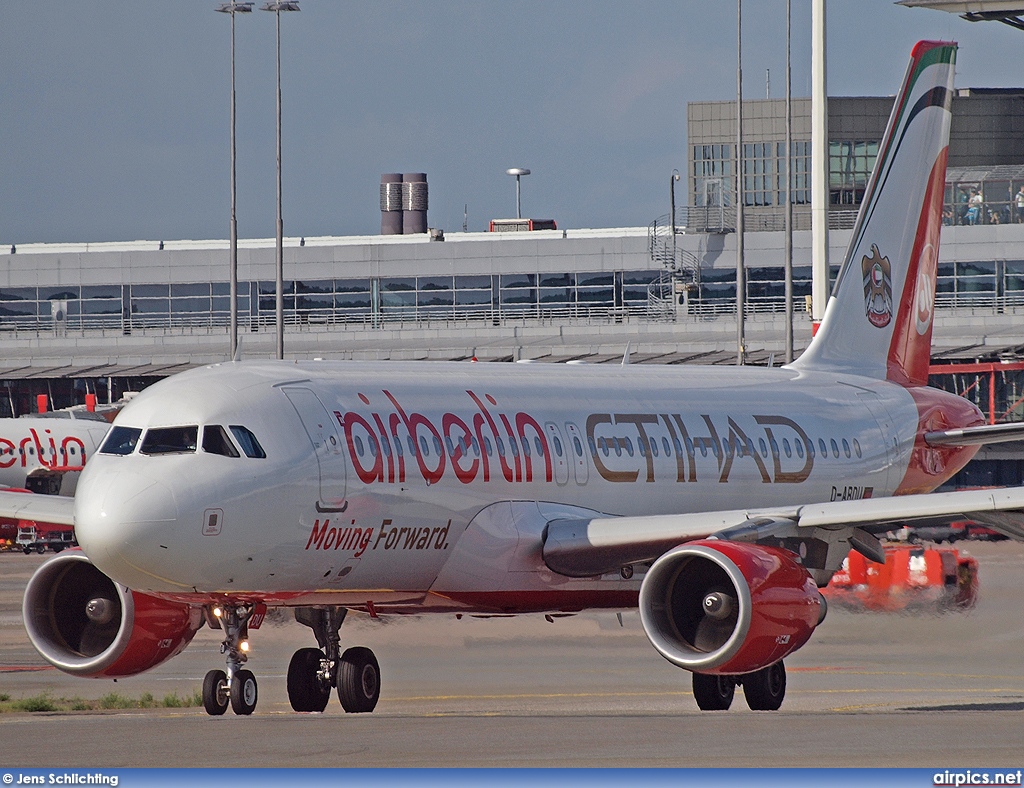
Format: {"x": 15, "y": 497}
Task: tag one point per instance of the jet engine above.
{"x": 721, "y": 607}
{"x": 84, "y": 623}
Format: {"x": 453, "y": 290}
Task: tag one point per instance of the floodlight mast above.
{"x": 277, "y": 8}
{"x": 232, "y": 9}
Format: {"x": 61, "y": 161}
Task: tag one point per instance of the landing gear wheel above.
{"x": 215, "y": 694}
{"x": 358, "y": 680}
{"x": 306, "y": 690}
{"x": 713, "y": 693}
{"x": 765, "y": 689}
{"x": 243, "y": 693}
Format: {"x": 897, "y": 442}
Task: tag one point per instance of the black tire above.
{"x": 215, "y": 696}
{"x": 713, "y": 693}
{"x": 28, "y": 549}
{"x": 306, "y": 691}
{"x": 766, "y": 689}
{"x": 244, "y": 693}
{"x": 40, "y": 548}
{"x": 358, "y": 680}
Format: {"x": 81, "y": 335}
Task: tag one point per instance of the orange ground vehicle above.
{"x": 914, "y": 578}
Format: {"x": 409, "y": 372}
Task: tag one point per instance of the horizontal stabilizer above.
{"x": 977, "y": 436}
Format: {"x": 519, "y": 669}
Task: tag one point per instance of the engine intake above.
{"x": 85, "y": 624}
{"x": 723, "y": 607}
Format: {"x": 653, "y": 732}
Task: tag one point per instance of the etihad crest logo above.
{"x": 877, "y": 288}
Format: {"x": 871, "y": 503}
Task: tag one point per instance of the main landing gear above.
{"x": 312, "y": 672}
{"x": 236, "y": 687}
{"x": 764, "y": 690}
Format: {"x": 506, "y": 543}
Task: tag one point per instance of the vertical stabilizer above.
{"x": 879, "y": 317}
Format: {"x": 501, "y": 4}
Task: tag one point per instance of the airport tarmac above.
{"x": 869, "y": 690}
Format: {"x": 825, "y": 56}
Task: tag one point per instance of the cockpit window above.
{"x": 248, "y": 442}
{"x": 216, "y": 441}
{"x": 121, "y": 440}
{"x": 170, "y": 440}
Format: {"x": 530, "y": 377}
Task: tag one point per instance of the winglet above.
{"x": 625, "y": 356}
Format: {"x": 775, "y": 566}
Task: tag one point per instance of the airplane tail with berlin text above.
{"x": 878, "y": 321}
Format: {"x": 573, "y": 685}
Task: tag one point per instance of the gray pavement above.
{"x": 868, "y": 690}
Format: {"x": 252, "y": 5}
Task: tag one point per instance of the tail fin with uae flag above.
{"x": 878, "y": 321}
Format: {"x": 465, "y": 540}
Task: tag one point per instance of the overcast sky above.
{"x": 114, "y": 113}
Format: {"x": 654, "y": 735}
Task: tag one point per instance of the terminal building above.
{"x": 106, "y": 318}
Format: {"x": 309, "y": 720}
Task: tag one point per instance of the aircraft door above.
{"x": 322, "y": 430}
{"x": 559, "y": 452}
{"x": 577, "y": 452}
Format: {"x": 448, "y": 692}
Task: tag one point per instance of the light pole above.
{"x": 741, "y": 274}
{"x": 518, "y": 172}
{"x": 277, "y": 8}
{"x": 234, "y": 8}
{"x": 789, "y": 183}
{"x": 672, "y": 210}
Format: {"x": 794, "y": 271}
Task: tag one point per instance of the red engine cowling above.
{"x": 728, "y": 607}
{"x": 84, "y": 623}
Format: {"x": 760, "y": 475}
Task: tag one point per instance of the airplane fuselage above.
{"x": 395, "y": 485}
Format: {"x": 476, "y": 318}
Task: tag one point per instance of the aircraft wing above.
{"x": 584, "y": 547}
{"x": 56, "y": 509}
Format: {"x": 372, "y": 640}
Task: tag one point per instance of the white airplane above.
{"x": 46, "y": 452}
{"x": 717, "y": 499}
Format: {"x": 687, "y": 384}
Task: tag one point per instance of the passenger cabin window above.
{"x": 248, "y": 442}
{"x": 216, "y": 441}
{"x": 121, "y": 441}
{"x": 170, "y": 440}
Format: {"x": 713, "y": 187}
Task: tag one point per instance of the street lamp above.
{"x": 672, "y": 210}
{"x": 234, "y": 8}
{"x": 518, "y": 172}
{"x": 277, "y": 8}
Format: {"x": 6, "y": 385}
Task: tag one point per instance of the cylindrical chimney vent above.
{"x": 414, "y": 202}
{"x": 391, "y": 203}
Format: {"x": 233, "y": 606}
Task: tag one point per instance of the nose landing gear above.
{"x": 236, "y": 687}
{"x": 313, "y": 672}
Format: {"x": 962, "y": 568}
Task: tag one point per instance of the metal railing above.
{"x": 386, "y": 318}
{"x": 716, "y": 220}
{"x": 662, "y": 305}
{"x": 666, "y": 253}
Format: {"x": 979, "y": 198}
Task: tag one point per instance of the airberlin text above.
{"x": 393, "y": 445}
{"x": 70, "y": 456}
{"x": 357, "y": 539}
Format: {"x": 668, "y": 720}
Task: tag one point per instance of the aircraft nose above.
{"x": 120, "y": 520}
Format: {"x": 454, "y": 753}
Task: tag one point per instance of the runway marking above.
{"x": 542, "y": 696}
{"x": 25, "y": 668}
{"x": 862, "y": 707}
{"x": 916, "y": 673}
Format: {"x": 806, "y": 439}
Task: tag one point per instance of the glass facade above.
{"x": 328, "y": 301}
{"x": 850, "y": 164}
{"x": 764, "y": 174}
{"x": 986, "y": 201}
